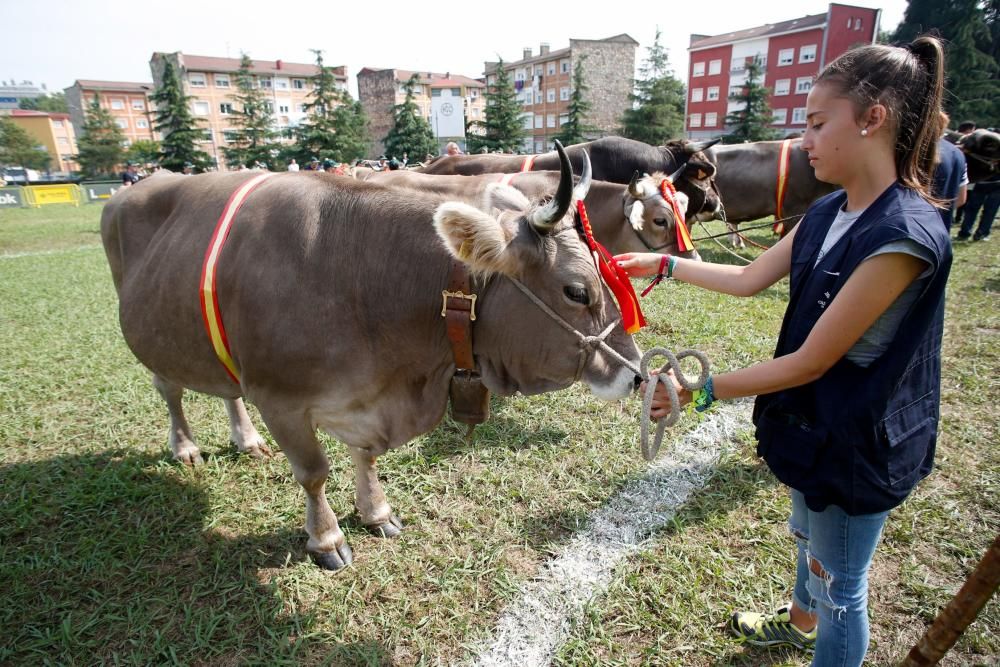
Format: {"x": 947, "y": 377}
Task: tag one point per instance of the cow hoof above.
{"x": 258, "y": 450}
{"x": 189, "y": 457}
{"x": 334, "y": 560}
{"x": 391, "y": 528}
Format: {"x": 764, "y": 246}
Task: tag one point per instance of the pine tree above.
{"x": 100, "y": 143}
{"x": 971, "y": 66}
{"x": 410, "y": 132}
{"x": 503, "y": 130}
{"x": 20, "y": 149}
{"x": 176, "y": 124}
{"x": 575, "y": 129}
{"x": 657, "y": 113}
{"x": 753, "y": 121}
{"x": 254, "y": 136}
{"x": 336, "y": 127}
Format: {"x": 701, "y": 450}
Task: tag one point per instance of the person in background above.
{"x": 451, "y": 148}
{"x": 951, "y": 179}
{"x": 293, "y": 165}
{"x": 967, "y": 127}
{"x": 131, "y": 174}
{"x": 188, "y": 169}
{"x": 847, "y": 411}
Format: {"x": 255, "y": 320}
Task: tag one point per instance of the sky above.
{"x": 56, "y": 42}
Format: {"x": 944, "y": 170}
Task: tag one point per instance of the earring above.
{"x": 864, "y": 132}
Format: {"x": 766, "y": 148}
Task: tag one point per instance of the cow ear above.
{"x": 635, "y": 216}
{"x": 479, "y": 240}
{"x": 504, "y": 198}
{"x": 682, "y": 203}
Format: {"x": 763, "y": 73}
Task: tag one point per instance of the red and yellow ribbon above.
{"x": 528, "y": 163}
{"x": 779, "y": 227}
{"x": 210, "y": 311}
{"x": 668, "y": 192}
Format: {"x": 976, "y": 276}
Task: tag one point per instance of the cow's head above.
{"x": 652, "y": 216}
{"x": 518, "y": 345}
{"x": 695, "y": 177}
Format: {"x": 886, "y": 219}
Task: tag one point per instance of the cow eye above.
{"x": 661, "y": 222}
{"x": 577, "y": 293}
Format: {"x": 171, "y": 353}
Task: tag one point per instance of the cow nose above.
{"x": 636, "y": 382}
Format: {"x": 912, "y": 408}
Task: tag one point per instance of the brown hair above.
{"x": 909, "y": 82}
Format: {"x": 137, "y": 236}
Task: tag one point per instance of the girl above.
{"x": 846, "y": 412}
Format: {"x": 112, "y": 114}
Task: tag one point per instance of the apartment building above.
{"x": 544, "y": 85}
{"x": 127, "y": 102}
{"x": 53, "y": 131}
{"x": 792, "y": 54}
{"x": 12, "y": 92}
{"x": 211, "y": 83}
{"x": 446, "y": 100}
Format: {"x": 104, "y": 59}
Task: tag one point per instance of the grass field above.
{"x": 112, "y": 554}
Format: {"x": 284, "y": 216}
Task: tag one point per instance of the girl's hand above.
{"x": 661, "y": 399}
{"x": 639, "y": 264}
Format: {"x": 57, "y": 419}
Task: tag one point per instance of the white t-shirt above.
{"x": 293, "y": 167}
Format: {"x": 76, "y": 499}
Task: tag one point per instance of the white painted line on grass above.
{"x": 535, "y": 625}
{"x": 41, "y": 253}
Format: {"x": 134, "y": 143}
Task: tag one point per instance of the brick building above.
{"x": 437, "y": 95}
{"x": 211, "y": 82}
{"x": 53, "y": 131}
{"x": 544, "y": 84}
{"x": 127, "y": 102}
{"x": 792, "y": 53}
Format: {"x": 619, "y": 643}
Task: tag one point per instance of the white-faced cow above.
{"x": 625, "y": 218}
{"x": 330, "y": 294}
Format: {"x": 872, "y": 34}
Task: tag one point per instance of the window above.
{"x": 281, "y": 83}
{"x": 221, "y": 80}
{"x": 436, "y": 92}
{"x": 539, "y": 119}
{"x": 269, "y": 107}
{"x": 284, "y": 108}
{"x": 473, "y": 93}
{"x": 807, "y": 54}
{"x": 782, "y": 86}
{"x": 456, "y": 92}
{"x": 550, "y": 120}
{"x": 698, "y": 69}
{"x": 857, "y": 24}
{"x": 302, "y": 107}
{"x": 519, "y": 75}
{"x": 57, "y": 123}
{"x": 527, "y": 121}
{"x": 564, "y": 66}
{"x": 799, "y": 116}
{"x": 226, "y": 108}
{"x": 803, "y": 84}
{"x": 117, "y": 103}
{"x": 138, "y": 105}
{"x": 697, "y": 94}
{"x": 538, "y": 70}
{"x": 201, "y": 108}
{"x": 538, "y": 97}
{"x": 786, "y": 57}
{"x": 695, "y": 120}
{"x": 539, "y": 146}
{"x": 475, "y": 113}
{"x": 122, "y": 123}
{"x": 141, "y": 123}
{"x": 711, "y": 119}
{"x": 714, "y": 67}
{"x": 780, "y": 117}
{"x": 299, "y": 84}
{"x": 264, "y": 82}
{"x": 196, "y": 79}
{"x": 64, "y": 141}
{"x": 564, "y": 93}
{"x": 737, "y": 65}
{"x": 735, "y": 90}
{"x": 229, "y": 136}
{"x": 550, "y": 95}
{"x": 126, "y": 143}
{"x": 713, "y": 93}
{"x": 563, "y": 119}
{"x": 551, "y": 68}
{"x": 528, "y": 97}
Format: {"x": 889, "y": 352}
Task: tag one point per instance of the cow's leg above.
{"x": 735, "y": 240}
{"x": 180, "y": 438}
{"x": 242, "y": 432}
{"x": 376, "y": 515}
{"x": 297, "y": 438}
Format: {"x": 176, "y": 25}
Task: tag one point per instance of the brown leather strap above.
{"x": 458, "y": 309}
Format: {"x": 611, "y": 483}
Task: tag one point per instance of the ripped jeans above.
{"x": 840, "y": 547}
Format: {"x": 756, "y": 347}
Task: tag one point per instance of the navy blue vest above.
{"x": 859, "y": 438}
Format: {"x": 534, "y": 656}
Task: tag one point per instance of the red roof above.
{"x": 435, "y": 79}
{"x": 270, "y": 67}
{"x": 767, "y": 30}
{"x": 43, "y": 114}
{"x": 92, "y": 84}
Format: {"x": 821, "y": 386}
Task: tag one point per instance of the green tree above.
{"x": 657, "y": 113}
{"x": 753, "y": 121}
{"x": 176, "y": 124}
{"x": 100, "y": 143}
{"x": 410, "y": 132}
{"x": 254, "y": 136}
{"x": 19, "y": 149}
{"x": 503, "y": 128}
{"x": 143, "y": 151}
{"x": 970, "y": 31}
{"x": 336, "y": 126}
{"x": 575, "y": 129}
{"x": 51, "y": 102}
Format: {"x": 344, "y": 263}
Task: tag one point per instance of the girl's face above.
{"x": 833, "y": 137}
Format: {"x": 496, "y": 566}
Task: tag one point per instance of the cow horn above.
{"x": 697, "y": 146}
{"x": 677, "y": 174}
{"x": 633, "y": 186}
{"x": 586, "y": 178}
{"x": 543, "y": 219}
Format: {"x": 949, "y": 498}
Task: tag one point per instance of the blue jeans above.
{"x": 976, "y": 200}
{"x": 841, "y": 548}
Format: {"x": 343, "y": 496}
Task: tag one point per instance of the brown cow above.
{"x": 625, "y": 218}
{"x": 330, "y": 291}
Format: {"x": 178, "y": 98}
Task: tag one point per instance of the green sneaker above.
{"x": 770, "y": 629}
